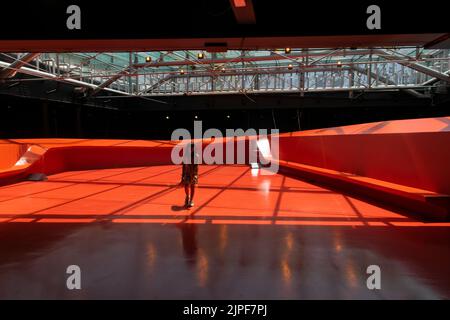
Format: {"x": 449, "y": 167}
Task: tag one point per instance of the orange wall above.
{"x": 420, "y": 160}
{"x": 59, "y": 155}
{"x": 10, "y": 153}
{"x": 86, "y": 158}
{"x": 413, "y": 153}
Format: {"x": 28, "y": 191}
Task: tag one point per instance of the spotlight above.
{"x": 201, "y": 55}
{"x": 148, "y": 59}
{"x": 287, "y": 50}
{"x": 339, "y": 64}
{"x": 228, "y": 116}
{"x": 195, "y": 117}
{"x": 290, "y": 66}
{"x": 167, "y": 117}
{"x": 182, "y": 71}
{"x": 222, "y": 69}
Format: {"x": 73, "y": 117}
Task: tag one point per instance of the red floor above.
{"x": 123, "y": 224}
{"x": 226, "y": 194}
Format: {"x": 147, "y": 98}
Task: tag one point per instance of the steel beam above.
{"x": 111, "y": 80}
{"x": 11, "y": 70}
{"x": 389, "y": 82}
{"x": 50, "y": 76}
{"x": 127, "y": 71}
{"x": 318, "y": 90}
{"x": 413, "y": 65}
{"x": 251, "y": 58}
{"x": 159, "y": 83}
{"x": 434, "y": 80}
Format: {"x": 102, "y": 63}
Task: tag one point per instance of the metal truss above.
{"x": 413, "y": 70}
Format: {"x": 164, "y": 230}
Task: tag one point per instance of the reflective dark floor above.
{"x": 249, "y": 236}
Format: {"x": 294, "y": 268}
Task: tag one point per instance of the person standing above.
{"x": 189, "y": 174}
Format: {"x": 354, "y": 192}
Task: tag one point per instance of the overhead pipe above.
{"x": 11, "y": 70}
{"x": 413, "y": 65}
{"x": 49, "y": 76}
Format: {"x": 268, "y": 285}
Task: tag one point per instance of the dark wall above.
{"x": 33, "y": 118}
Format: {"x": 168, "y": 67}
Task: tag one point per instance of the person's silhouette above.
{"x": 189, "y": 174}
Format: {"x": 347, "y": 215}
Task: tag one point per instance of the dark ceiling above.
{"x": 206, "y": 19}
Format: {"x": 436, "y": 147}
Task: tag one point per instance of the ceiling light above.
{"x": 240, "y": 3}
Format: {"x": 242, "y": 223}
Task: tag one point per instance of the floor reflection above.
{"x": 248, "y": 237}
{"x": 189, "y": 242}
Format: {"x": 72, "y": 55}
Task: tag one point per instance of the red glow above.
{"x": 241, "y": 221}
{"x": 240, "y": 3}
{"x": 22, "y": 220}
{"x": 321, "y": 223}
{"x": 65, "y": 220}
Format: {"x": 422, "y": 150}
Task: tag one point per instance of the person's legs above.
{"x": 191, "y": 203}
{"x": 186, "y": 191}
